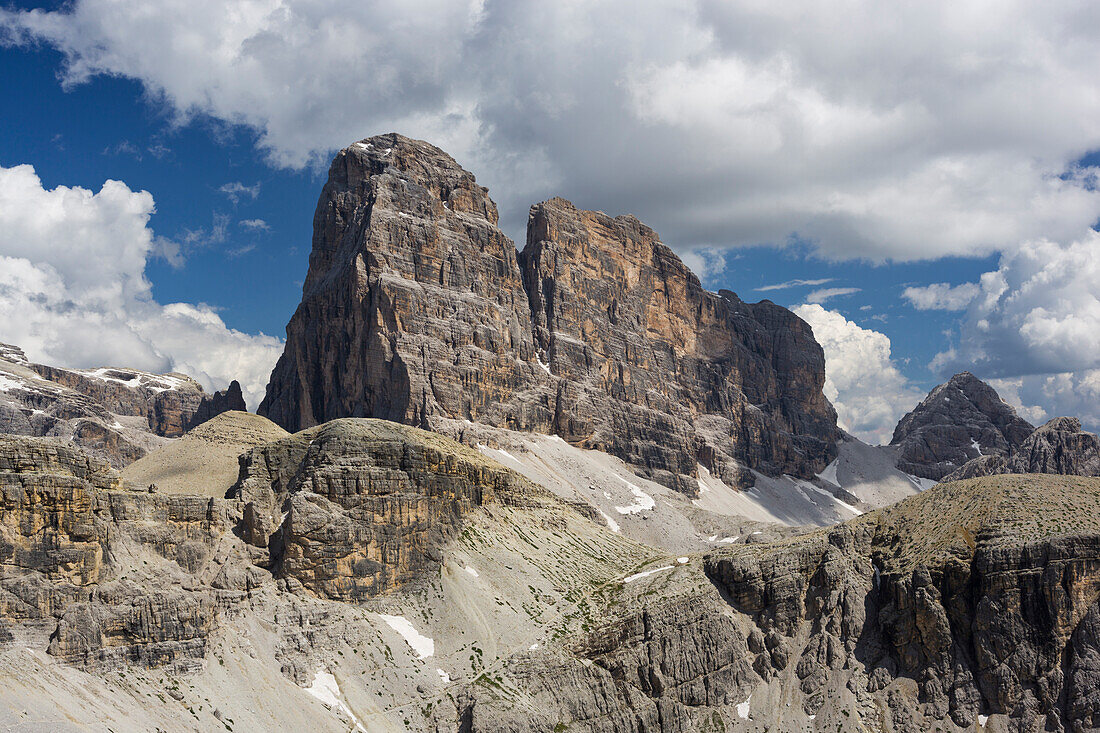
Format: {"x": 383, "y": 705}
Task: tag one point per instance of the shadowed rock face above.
{"x": 417, "y": 309}
{"x": 962, "y": 419}
{"x": 229, "y": 399}
{"x": 1059, "y": 446}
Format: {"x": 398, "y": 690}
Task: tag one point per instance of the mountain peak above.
{"x": 961, "y": 419}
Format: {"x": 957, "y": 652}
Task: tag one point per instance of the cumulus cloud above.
{"x": 879, "y": 132}
{"x": 73, "y": 290}
{"x": 861, "y": 379}
{"x": 706, "y": 262}
{"x": 942, "y": 296}
{"x": 820, "y": 296}
{"x": 1041, "y": 397}
{"x": 1037, "y": 313}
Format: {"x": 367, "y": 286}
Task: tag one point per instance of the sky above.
{"x": 918, "y": 181}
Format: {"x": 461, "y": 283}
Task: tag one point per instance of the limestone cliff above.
{"x": 417, "y": 309}
{"x": 651, "y": 367}
{"x": 116, "y": 414}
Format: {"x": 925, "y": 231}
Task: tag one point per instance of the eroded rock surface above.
{"x": 1059, "y": 446}
{"x": 960, "y": 420}
{"x": 110, "y": 576}
{"x": 357, "y": 507}
{"x": 116, "y": 414}
{"x": 417, "y": 309}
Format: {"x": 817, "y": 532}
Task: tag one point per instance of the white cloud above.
{"x": 236, "y": 191}
{"x": 942, "y": 296}
{"x": 795, "y": 284}
{"x": 1037, "y": 313}
{"x": 820, "y": 296}
{"x": 256, "y": 225}
{"x": 1039, "y": 398}
{"x": 73, "y": 290}
{"x": 880, "y": 132}
{"x": 706, "y": 262}
{"x": 861, "y": 379}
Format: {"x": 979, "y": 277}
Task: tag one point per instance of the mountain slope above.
{"x": 204, "y": 461}
{"x": 115, "y": 413}
{"x": 372, "y": 576}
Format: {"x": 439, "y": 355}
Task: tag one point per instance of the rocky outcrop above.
{"x": 109, "y": 576}
{"x": 116, "y": 414}
{"x": 1059, "y": 446}
{"x": 356, "y": 507}
{"x": 417, "y": 309}
{"x": 960, "y": 420}
{"x": 230, "y": 399}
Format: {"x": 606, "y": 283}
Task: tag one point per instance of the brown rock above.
{"x": 355, "y": 508}
{"x": 651, "y": 367}
{"x": 416, "y": 309}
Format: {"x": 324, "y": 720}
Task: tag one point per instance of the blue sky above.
{"x": 760, "y": 164}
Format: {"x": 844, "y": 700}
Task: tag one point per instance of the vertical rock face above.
{"x": 962, "y": 419}
{"x": 110, "y": 576}
{"x": 650, "y": 366}
{"x": 413, "y": 308}
{"x": 356, "y": 508}
{"x": 418, "y": 309}
{"x": 226, "y": 400}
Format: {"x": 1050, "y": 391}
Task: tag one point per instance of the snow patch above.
{"x": 471, "y": 571}
{"x": 443, "y": 676}
{"x": 922, "y": 484}
{"x": 730, "y": 540}
{"x": 829, "y": 474}
{"x": 422, "y": 645}
{"x": 325, "y": 688}
{"x": 611, "y": 523}
{"x": 533, "y": 647}
{"x": 982, "y": 720}
{"x": 975, "y": 446}
{"x": 743, "y": 708}
{"x": 544, "y": 365}
{"x": 681, "y": 560}
{"x": 7, "y": 385}
{"x": 645, "y": 573}
{"x": 642, "y": 501}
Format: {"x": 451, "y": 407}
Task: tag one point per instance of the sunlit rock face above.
{"x": 418, "y": 309}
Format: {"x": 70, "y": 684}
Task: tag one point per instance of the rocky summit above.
{"x": 959, "y": 420}
{"x": 417, "y": 308}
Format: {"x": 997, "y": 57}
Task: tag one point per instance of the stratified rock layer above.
{"x": 651, "y": 367}
{"x": 68, "y": 538}
{"x": 355, "y": 508}
{"x": 417, "y": 309}
{"x": 1059, "y": 446}
{"x": 116, "y": 414}
{"x": 962, "y": 419}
